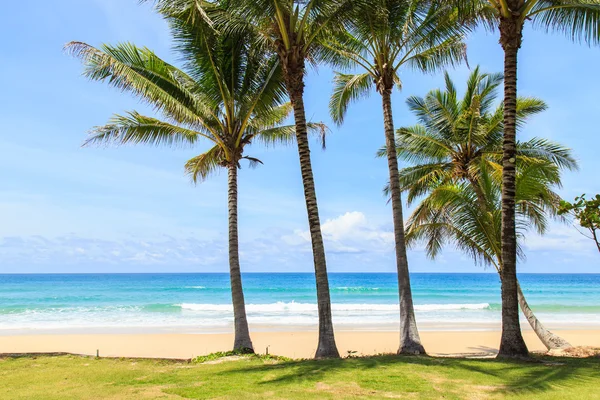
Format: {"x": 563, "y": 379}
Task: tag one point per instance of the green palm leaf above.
{"x": 201, "y": 167}
{"x": 138, "y": 129}
{"x": 346, "y": 89}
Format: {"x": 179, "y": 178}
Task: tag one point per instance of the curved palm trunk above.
{"x": 242, "y": 340}
{"x": 511, "y": 343}
{"x": 410, "y": 342}
{"x": 549, "y": 339}
{"x": 326, "y": 347}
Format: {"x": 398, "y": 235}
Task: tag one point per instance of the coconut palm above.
{"x": 454, "y": 140}
{"x": 229, "y": 94}
{"x": 580, "y": 21}
{"x": 293, "y": 30}
{"x": 396, "y": 34}
{"x": 451, "y": 213}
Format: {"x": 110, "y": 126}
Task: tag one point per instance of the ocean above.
{"x": 201, "y": 303}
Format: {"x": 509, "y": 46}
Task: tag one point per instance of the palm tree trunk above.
{"x": 479, "y": 193}
{"x": 511, "y": 343}
{"x": 410, "y": 342}
{"x": 326, "y": 347}
{"x": 549, "y": 339}
{"x": 242, "y": 340}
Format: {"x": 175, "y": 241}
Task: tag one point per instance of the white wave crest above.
{"x": 449, "y": 307}
{"x": 293, "y": 307}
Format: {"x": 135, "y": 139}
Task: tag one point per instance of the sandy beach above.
{"x": 290, "y": 344}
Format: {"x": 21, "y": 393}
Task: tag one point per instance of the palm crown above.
{"x": 456, "y": 137}
{"x": 229, "y": 93}
{"x": 578, "y": 19}
{"x": 387, "y": 36}
{"x": 294, "y": 29}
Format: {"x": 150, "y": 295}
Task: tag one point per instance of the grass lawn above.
{"x": 383, "y": 377}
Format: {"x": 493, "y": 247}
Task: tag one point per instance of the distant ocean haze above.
{"x": 201, "y": 303}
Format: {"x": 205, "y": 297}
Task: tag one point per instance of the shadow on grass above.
{"x": 539, "y": 375}
{"x": 534, "y": 376}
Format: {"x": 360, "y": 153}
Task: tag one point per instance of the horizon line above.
{"x": 287, "y": 273}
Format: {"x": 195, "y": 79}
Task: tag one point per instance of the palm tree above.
{"x": 579, "y": 20}
{"x": 451, "y": 214}
{"x": 395, "y": 34}
{"x": 293, "y": 30}
{"x": 457, "y": 145}
{"x": 229, "y": 94}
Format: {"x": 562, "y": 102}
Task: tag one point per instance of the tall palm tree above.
{"x": 229, "y": 93}
{"x": 579, "y": 20}
{"x": 459, "y": 142}
{"x": 293, "y": 30}
{"x": 394, "y": 35}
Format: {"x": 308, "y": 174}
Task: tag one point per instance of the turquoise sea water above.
{"x": 202, "y": 302}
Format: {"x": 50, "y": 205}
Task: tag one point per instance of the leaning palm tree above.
{"x": 229, "y": 93}
{"x": 293, "y": 30}
{"x": 452, "y": 213}
{"x": 456, "y": 138}
{"x": 579, "y": 20}
{"x": 396, "y": 34}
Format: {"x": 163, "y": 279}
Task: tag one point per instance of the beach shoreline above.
{"x": 298, "y": 344}
{"x": 458, "y": 326}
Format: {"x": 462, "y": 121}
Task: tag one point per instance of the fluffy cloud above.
{"x": 350, "y": 233}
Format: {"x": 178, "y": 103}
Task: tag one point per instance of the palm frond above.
{"x": 286, "y": 134}
{"x": 346, "y": 89}
{"x": 449, "y": 53}
{"x": 201, "y": 167}
{"x": 577, "y": 19}
{"x": 547, "y": 151}
{"x": 141, "y": 72}
{"x": 135, "y": 128}
{"x": 528, "y": 107}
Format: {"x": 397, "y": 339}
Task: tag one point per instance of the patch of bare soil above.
{"x": 576, "y": 352}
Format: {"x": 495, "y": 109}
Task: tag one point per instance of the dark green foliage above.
{"x": 587, "y": 214}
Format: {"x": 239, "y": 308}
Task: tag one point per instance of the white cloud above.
{"x": 75, "y": 250}
{"x": 559, "y": 237}
{"x": 351, "y": 232}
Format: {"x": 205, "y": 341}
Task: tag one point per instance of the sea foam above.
{"x": 292, "y": 307}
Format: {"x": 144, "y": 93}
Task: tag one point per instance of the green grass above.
{"x": 382, "y": 377}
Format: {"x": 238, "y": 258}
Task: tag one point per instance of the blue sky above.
{"x": 68, "y": 209}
